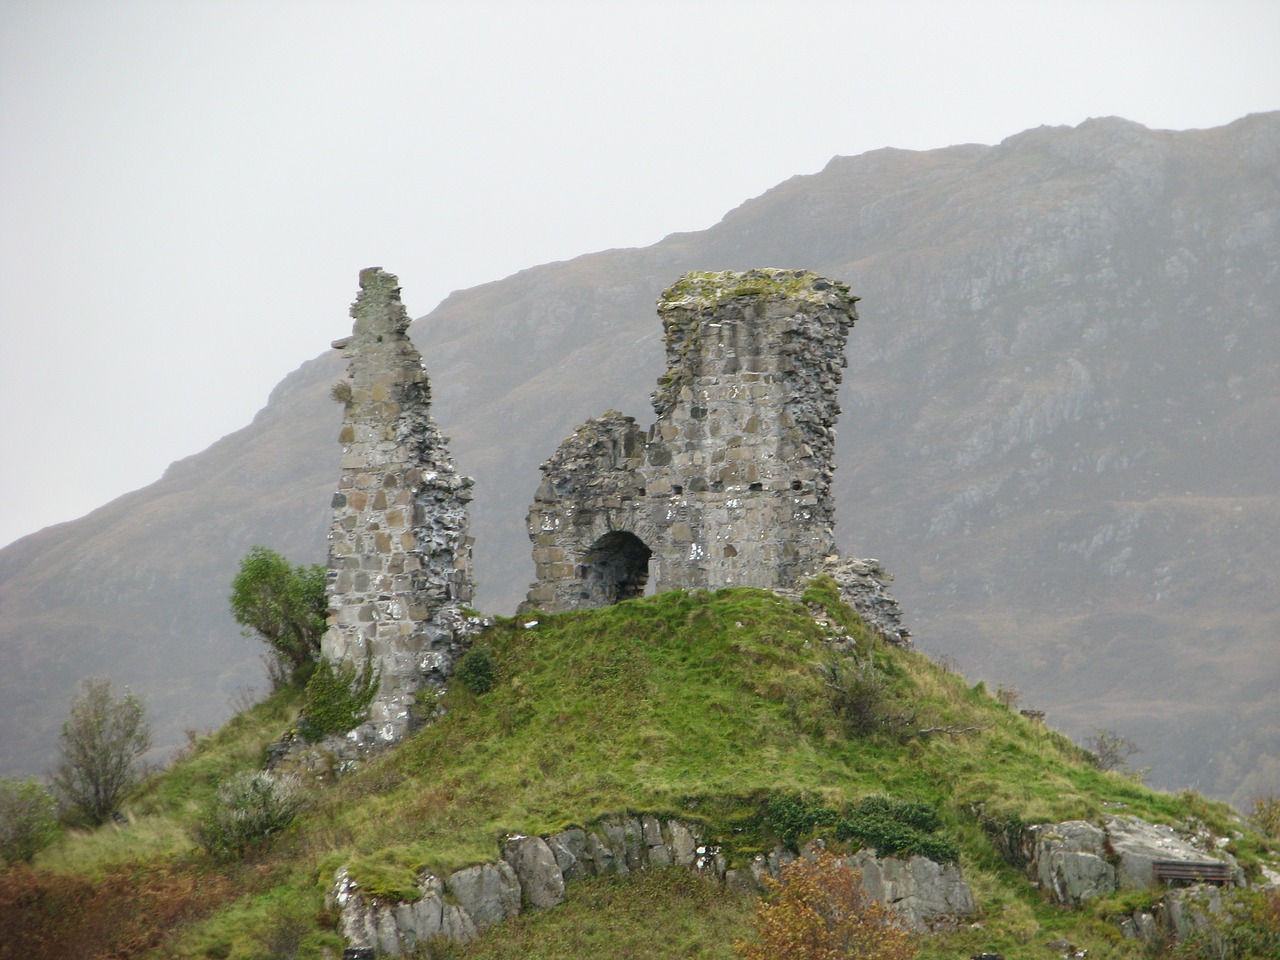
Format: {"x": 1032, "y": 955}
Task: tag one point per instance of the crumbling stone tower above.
{"x": 399, "y": 550}
{"x": 731, "y": 486}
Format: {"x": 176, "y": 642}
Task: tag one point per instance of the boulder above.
{"x": 921, "y": 891}
{"x": 535, "y": 865}
{"x": 1139, "y": 844}
{"x": 489, "y": 892}
{"x": 1070, "y": 861}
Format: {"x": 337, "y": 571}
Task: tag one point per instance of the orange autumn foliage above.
{"x": 48, "y": 916}
{"x": 817, "y": 910}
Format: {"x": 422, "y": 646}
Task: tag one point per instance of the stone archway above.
{"x": 614, "y": 568}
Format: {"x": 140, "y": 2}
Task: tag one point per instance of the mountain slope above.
{"x": 1060, "y": 432}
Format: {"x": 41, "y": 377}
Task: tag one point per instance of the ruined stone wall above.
{"x": 399, "y": 550}
{"x": 731, "y": 486}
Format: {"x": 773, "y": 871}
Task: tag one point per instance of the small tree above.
{"x": 1110, "y": 750}
{"x": 818, "y": 910}
{"x": 28, "y": 818}
{"x": 285, "y": 606}
{"x": 100, "y": 748}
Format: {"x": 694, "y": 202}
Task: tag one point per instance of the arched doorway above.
{"x": 614, "y": 568}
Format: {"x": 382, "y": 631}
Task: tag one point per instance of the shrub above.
{"x": 897, "y": 828}
{"x": 1009, "y": 696}
{"x": 99, "y": 752}
{"x": 860, "y": 696}
{"x": 1110, "y": 750}
{"x": 249, "y": 810}
{"x": 28, "y": 819}
{"x": 817, "y": 910}
{"x": 285, "y": 606}
{"x": 337, "y": 700}
{"x": 791, "y": 818}
{"x": 1265, "y": 815}
{"x": 477, "y": 670}
{"x": 1247, "y": 926}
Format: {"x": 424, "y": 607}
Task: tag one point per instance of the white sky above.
{"x": 188, "y": 188}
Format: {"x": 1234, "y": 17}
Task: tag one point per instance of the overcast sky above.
{"x": 188, "y": 188}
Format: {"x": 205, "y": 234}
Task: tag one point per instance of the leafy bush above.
{"x": 249, "y": 809}
{"x": 477, "y": 670}
{"x": 791, "y": 818}
{"x": 897, "y": 828}
{"x": 28, "y": 819}
{"x": 337, "y": 700}
{"x": 817, "y": 910}
{"x": 285, "y": 606}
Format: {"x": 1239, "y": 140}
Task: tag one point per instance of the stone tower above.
{"x": 399, "y": 550}
{"x": 731, "y": 486}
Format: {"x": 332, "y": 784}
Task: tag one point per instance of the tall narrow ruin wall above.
{"x": 399, "y": 549}
{"x": 731, "y": 486}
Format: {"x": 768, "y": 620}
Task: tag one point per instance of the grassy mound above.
{"x": 733, "y": 709}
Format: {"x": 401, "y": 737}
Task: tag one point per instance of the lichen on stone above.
{"x": 703, "y": 288}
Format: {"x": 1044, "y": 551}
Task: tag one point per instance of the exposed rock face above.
{"x": 731, "y": 486}
{"x": 1077, "y": 861}
{"x": 533, "y": 871}
{"x": 1174, "y": 916}
{"x": 1070, "y": 862}
{"x": 920, "y": 890}
{"x": 399, "y": 552}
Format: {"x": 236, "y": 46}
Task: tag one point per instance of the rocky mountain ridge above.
{"x": 1060, "y": 433}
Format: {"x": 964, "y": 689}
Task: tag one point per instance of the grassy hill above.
{"x": 735, "y": 709}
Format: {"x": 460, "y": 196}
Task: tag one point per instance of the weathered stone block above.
{"x": 489, "y": 893}
{"x": 535, "y": 866}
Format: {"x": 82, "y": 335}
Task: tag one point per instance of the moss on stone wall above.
{"x": 702, "y": 288}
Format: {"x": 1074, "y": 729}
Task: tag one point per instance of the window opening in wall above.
{"x": 615, "y": 568}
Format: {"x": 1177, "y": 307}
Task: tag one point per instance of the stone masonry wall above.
{"x": 731, "y": 486}
{"x": 399, "y": 551}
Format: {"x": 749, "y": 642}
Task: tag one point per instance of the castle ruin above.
{"x": 731, "y": 485}
{"x": 399, "y": 550}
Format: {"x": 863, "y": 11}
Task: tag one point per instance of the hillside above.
{"x": 1059, "y": 433}
{"x": 714, "y": 708}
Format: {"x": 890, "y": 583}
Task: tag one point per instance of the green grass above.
{"x": 652, "y": 916}
{"x": 163, "y": 813}
{"x": 696, "y": 705}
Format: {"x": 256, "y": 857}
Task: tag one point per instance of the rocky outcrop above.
{"x": 1077, "y": 861}
{"x": 1069, "y": 861}
{"x": 1173, "y": 916}
{"x": 922, "y": 892}
{"x": 533, "y": 871}
{"x": 399, "y": 551}
{"x": 731, "y": 486}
